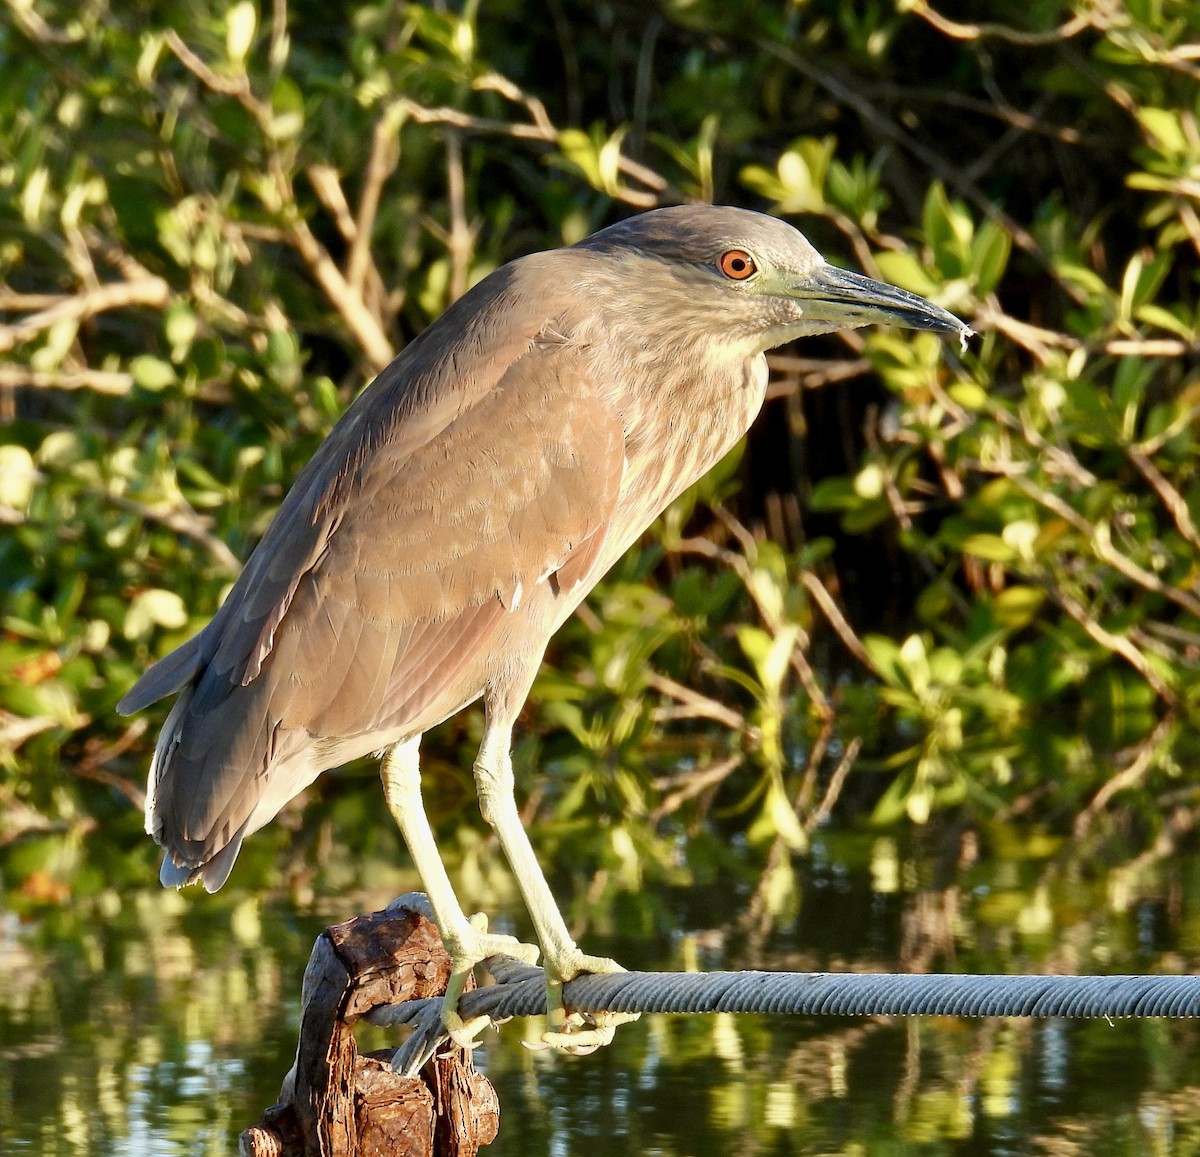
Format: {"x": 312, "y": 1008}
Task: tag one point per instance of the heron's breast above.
{"x": 678, "y": 436}
{"x": 673, "y": 436}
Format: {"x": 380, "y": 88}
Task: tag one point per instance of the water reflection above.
{"x": 154, "y": 1023}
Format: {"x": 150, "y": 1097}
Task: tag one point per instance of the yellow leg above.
{"x": 466, "y": 940}
{"x": 562, "y": 958}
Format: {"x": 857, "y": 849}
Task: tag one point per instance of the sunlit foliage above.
{"x": 935, "y": 581}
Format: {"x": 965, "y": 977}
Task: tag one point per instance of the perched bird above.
{"x": 459, "y": 511}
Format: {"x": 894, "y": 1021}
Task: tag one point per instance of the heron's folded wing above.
{"x": 440, "y": 546}
{"x": 427, "y": 550}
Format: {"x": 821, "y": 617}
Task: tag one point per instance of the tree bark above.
{"x": 338, "y": 1103}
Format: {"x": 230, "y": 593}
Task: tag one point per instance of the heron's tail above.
{"x": 183, "y": 863}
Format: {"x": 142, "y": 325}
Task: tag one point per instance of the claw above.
{"x": 464, "y": 1033}
{"x": 575, "y": 1043}
{"x": 575, "y": 1033}
{"x": 467, "y": 946}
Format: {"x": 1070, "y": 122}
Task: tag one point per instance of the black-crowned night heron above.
{"x": 458, "y": 513}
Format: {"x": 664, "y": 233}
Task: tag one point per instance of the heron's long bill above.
{"x": 837, "y": 295}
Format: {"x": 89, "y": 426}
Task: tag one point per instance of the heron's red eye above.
{"x": 737, "y": 264}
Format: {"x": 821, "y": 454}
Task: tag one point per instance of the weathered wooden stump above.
{"x": 338, "y": 1103}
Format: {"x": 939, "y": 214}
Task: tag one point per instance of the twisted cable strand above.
{"x": 520, "y": 991}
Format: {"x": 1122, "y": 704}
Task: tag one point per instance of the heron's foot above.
{"x": 577, "y": 1033}
{"x": 583, "y": 1032}
{"x": 467, "y": 946}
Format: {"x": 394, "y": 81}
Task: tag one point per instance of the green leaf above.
{"x": 207, "y": 357}
{"x": 903, "y": 269}
{"x": 17, "y": 477}
{"x": 783, "y": 817}
{"x": 990, "y": 547}
{"x": 579, "y": 148}
{"x": 152, "y": 373}
{"x": 885, "y": 658}
{"x": 990, "y": 255}
{"x": 608, "y": 161}
{"x": 969, "y": 395}
{"x": 948, "y": 228}
{"x": 287, "y": 109}
{"x": 179, "y": 328}
{"x": 892, "y": 805}
{"x": 755, "y": 644}
{"x": 1166, "y": 127}
{"x": 154, "y": 608}
{"x": 1016, "y": 607}
{"x": 240, "y": 23}
{"x": 1162, "y": 318}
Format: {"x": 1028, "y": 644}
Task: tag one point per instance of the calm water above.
{"x": 154, "y": 1023}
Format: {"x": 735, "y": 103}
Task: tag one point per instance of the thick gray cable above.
{"x": 521, "y": 992}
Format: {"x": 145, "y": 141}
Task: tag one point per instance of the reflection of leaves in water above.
{"x": 164, "y": 1022}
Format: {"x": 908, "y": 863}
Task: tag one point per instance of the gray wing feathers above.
{"x": 386, "y": 571}
{"x": 170, "y": 674}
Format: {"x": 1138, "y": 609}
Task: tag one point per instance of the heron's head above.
{"x": 726, "y": 271}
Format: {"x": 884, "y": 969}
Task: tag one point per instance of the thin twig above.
{"x": 837, "y": 620}
{"x": 694, "y": 705}
{"x": 97, "y": 754}
{"x": 1117, "y": 644}
{"x": 945, "y": 169}
{"x": 1002, "y": 111}
{"x": 238, "y": 86}
{"x": 36, "y": 28}
{"x": 952, "y": 28}
{"x": 755, "y": 919}
{"x": 183, "y": 520}
{"x": 16, "y": 729}
{"x": 1177, "y": 425}
{"x": 364, "y": 326}
{"x": 1099, "y": 535}
{"x": 277, "y": 52}
{"x": 1039, "y": 341}
{"x": 1170, "y": 497}
{"x": 808, "y": 680}
{"x": 1139, "y": 764}
{"x": 150, "y": 291}
{"x": 812, "y": 766}
{"x": 1158, "y": 347}
{"x": 327, "y": 186}
{"x": 381, "y": 163}
{"x": 697, "y": 782}
{"x": 811, "y": 373}
{"x": 366, "y": 282}
{"x": 659, "y": 189}
{"x": 902, "y": 510}
{"x": 112, "y": 382}
{"x": 644, "y": 78}
{"x": 460, "y": 240}
{"x": 1012, "y": 137}
{"x": 1179, "y": 825}
{"x": 496, "y": 82}
{"x": 836, "y": 782}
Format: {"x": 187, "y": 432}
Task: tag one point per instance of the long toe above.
{"x": 467, "y": 946}
{"x": 584, "y": 1034}
{"x": 572, "y": 1032}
